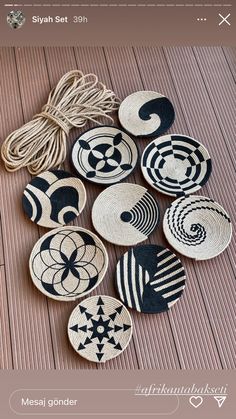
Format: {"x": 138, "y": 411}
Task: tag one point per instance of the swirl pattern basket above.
{"x": 146, "y": 114}
{"x": 197, "y": 227}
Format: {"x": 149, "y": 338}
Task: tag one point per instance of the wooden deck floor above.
{"x": 198, "y": 331}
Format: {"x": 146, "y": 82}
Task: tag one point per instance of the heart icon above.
{"x": 196, "y": 401}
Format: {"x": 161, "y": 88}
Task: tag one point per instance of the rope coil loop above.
{"x": 41, "y": 143}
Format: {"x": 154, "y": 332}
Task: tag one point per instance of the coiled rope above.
{"x": 41, "y": 143}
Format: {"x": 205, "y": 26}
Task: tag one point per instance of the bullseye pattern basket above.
{"x": 197, "y": 227}
{"x": 176, "y": 165}
{"x": 125, "y": 214}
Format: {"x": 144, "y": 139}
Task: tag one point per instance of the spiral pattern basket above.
{"x": 146, "y": 113}
{"x": 197, "y": 227}
{"x": 125, "y": 214}
{"x": 100, "y": 328}
{"x": 176, "y": 165}
{"x": 68, "y": 263}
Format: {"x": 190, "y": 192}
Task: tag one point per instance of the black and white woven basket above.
{"x": 68, "y": 263}
{"x": 197, "y": 227}
{"x": 176, "y": 165}
{"x": 100, "y": 328}
{"x": 125, "y": 214}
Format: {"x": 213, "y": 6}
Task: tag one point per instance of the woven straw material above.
{"x": 146, "y": 114}
{"x": 68, "y": 263}
{"x": 54, "y": 198}
{"x": 197, "y": 227}
{"x": 100, "y": 328}
{"x": 104, "y": 155}
{"x": 176, "y": 165}
{"x": 150, "y": 278}
{"x": 125, "y": 214}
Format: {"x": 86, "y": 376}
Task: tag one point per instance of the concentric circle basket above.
{"x": 197, "y": 227}
{"x": 176, "y": 165}
{"x": 125, "y": 214}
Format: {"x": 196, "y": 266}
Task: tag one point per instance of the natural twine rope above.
{"x": 41, "y": 143}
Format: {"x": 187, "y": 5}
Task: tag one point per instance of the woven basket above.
{"x": 176, "y": 165}
{"x": 125, "y": 214}
{"x": 54, "y": 198}
{"x": 68, "y": 263}
{"x": 104, "y": 155}
{"x": 100, "y": 328}
{"x": 197, "y": 227}
{"x": 150, "y": 278}
{"x": 146, "y": 114}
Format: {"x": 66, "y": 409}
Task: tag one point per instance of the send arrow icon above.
{"x": 220, "y": 400}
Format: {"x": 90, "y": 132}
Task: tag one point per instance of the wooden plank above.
{"x": 1, "y": 240}
{"x": 6, "y": 361}
{"x": 27, "y": 308}
{"x": 219, "y": 85}
{"x": 230, "y": 55}
{"x": 201, "y": 122}
{"x": 59, "y": 61}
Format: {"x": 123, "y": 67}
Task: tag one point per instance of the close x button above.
{"x": 224, "y": 19}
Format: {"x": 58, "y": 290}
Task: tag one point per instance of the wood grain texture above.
{"x": 198, "y": 331}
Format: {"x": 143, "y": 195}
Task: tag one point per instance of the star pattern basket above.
{"x": 100, "y": 328}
